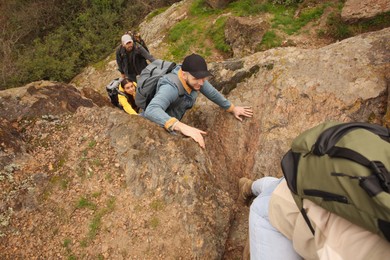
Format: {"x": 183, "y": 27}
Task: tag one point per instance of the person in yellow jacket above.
{"x": 277, "y": 229}
{"x": 127, "y": 101}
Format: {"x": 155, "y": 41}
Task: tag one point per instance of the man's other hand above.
{"x": 242, "y": 111}
{"x": 192, "y": 132}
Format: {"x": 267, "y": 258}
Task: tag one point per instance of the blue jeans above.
{"x": 266, "y": 242}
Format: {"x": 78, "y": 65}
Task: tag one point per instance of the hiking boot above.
{"x": 245, "y": 190}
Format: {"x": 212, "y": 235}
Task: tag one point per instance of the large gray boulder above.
{"x": 244, "y": 34}
{"x": 355, "y": 10}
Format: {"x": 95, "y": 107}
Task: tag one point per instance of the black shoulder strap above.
{"x": 372, "y": 185}
{"x": 332, "y": 135}
{"x": 348, "y": 154}
{"x": 307, "y": 220}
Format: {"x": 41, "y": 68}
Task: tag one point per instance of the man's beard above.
{"x": 191, "y": 87}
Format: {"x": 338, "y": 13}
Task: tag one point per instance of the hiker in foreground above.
{"x": 169, "y": 104}
{"x": 277, "y": 229}
{"x": 333, "y": 202}
{"x": 131, "y": 58}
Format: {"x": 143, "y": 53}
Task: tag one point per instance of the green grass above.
{"x": 337, "y": 28}
{"x": 190, "y": 35}
{"x": 60, "y": 180}
{"x": 156, "y": 12}
{"x": 96, "y": 162}
{"x": 154, "y": 222}
{"x": 285, "y": 21}
{"x": 205, "y": 25}
{"x": 109, "y": 177}
{"x": 270, "y": 40}
{"x": 96, "y": 194}
{"x": 81, "y": 173}
{"x": 92, "y": 144}
{"x": 200, "y": 8}
{"x": 95, "y": 224}
{"x": 64, "y": 183}
{"x": 84, "y": 153}
{"x": 85, "y": 203}
{"x": 66, "y": 242}
{"x": 181, "y": 29}
{"x": 84, "y": 242}
{"x": 100, "y": 65}
{"x": 185, "y": 36}
{"x": 340, "y": 30}
{"x": 217, "y": 34}
{"x": 249, "y": 7}
{"x": 61, "y": 161}
{"x": 157, "y": 205}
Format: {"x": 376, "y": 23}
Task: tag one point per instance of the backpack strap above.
{"x": 307, "y": 220}
{"x": 174, "y": 78}
{"x": 326, "y": 144}
{"x": 332, "y": 135}
{"x": 374, "y": 184}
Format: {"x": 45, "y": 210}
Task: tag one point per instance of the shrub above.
{"x": 337, "y": 28}
{"x": 286, "y": 2}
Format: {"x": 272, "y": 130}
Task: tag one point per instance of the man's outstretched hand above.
{"x": 197, "y": 134}
{"x": 242, "y": 111}
{"x": 192, "y": 132}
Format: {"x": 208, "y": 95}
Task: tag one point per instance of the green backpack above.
{"x": 343, "y": 167}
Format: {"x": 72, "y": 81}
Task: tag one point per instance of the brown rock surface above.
{"x": 355, "y": 10}
{"x": 83, "y": 180}
{"x": 94, "y": 182}
{"x": 244, "y": 34}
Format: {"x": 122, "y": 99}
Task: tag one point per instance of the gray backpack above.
{"x": 148, "y": 80}
{"x": 113, "y": 91}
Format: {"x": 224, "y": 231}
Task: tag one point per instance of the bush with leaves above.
{"x": 55, "y": 39}
{"x": 286, "y": 2}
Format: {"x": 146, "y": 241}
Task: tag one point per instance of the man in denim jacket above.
{"x": 167, "y": 107}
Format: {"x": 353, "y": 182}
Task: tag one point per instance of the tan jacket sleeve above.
{"x": 335, "y": 237}
{"x": 285, "y": 216}
{"x": 338, "y": 238}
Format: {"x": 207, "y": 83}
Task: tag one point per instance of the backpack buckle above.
{"x": 382, "y": 174}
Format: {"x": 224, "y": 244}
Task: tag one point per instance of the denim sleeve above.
{"x": 211, "y": 93}
{"x": 119, "y": 61}
{"x": 145, "y": 53}
{"x": 164, "y": 97}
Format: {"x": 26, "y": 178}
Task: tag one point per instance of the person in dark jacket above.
{"x": 138, "y": 39}
{"x": 131, "y": 58}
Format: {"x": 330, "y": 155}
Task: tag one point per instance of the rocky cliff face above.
{"x": 80, "y": 178}
{"x": 355, "y": 10}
